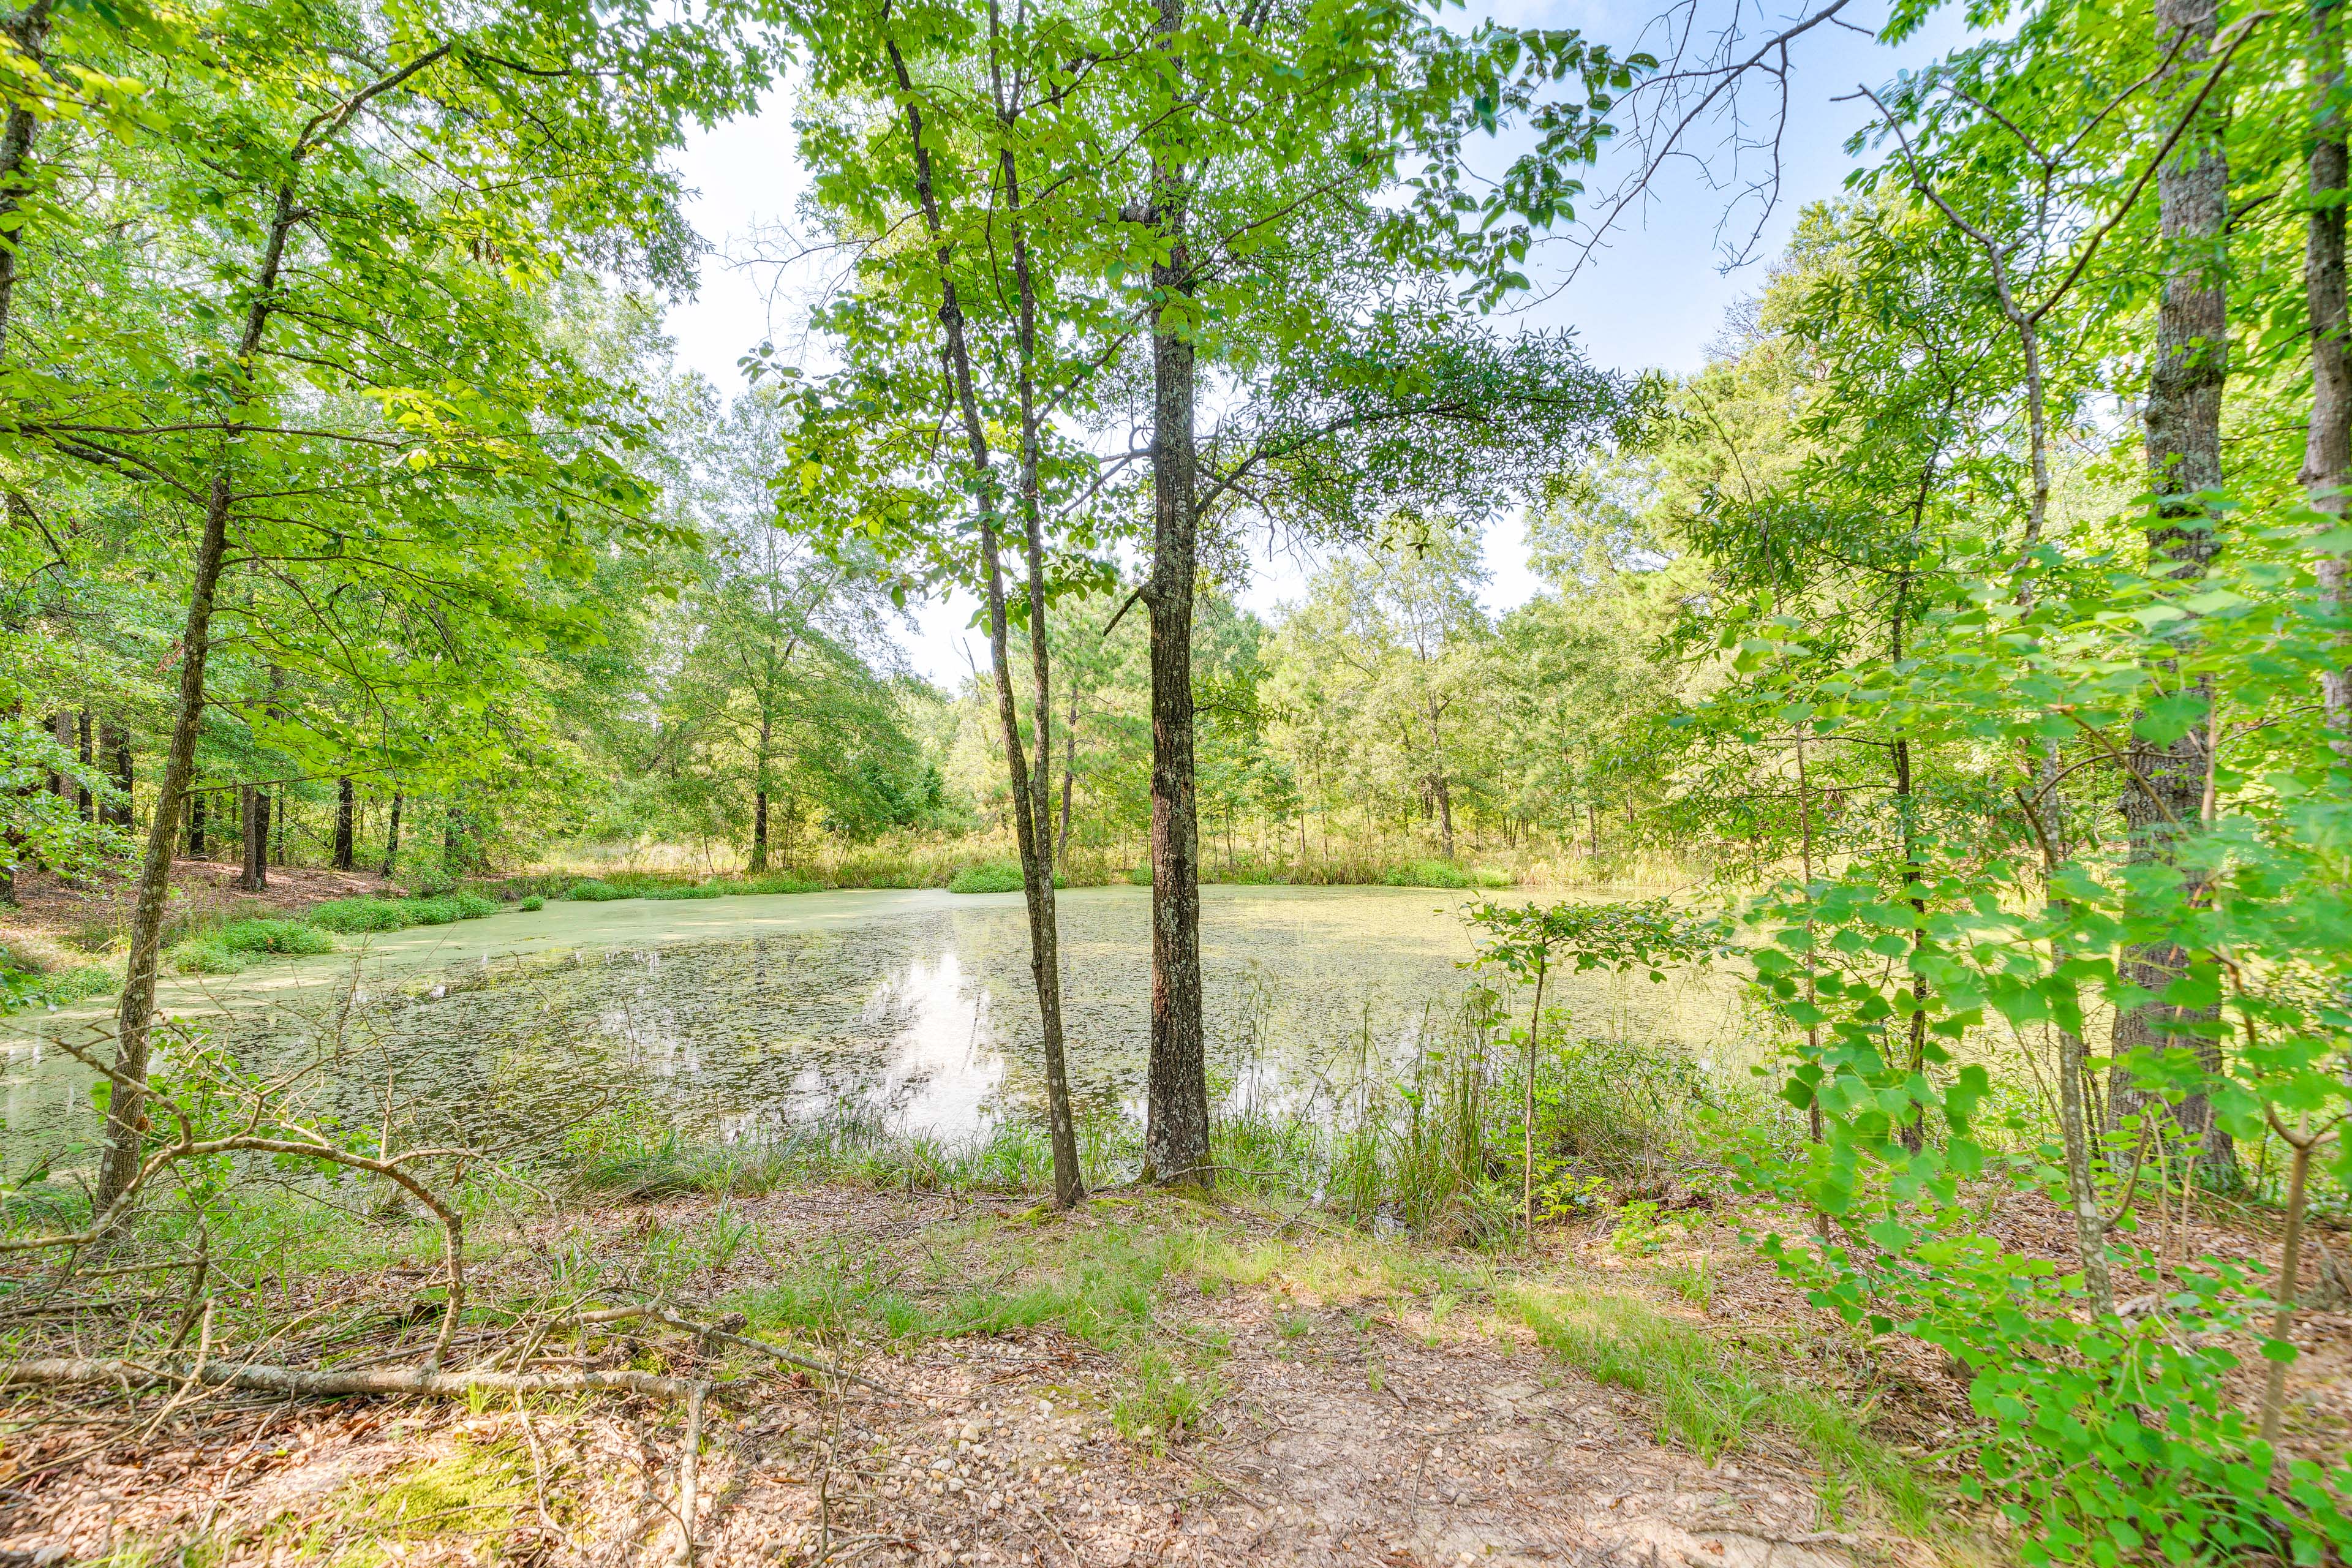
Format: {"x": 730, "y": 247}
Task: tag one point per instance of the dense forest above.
{"x": 1959, "y": 658}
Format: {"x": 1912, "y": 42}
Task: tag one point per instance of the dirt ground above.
{"x": 78, "y": 913}
{"x": 1349, "y": 1426}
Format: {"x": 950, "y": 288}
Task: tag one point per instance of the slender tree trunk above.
{"x": 2162, "y": 804}
{"x": 392, "y": 836}
{"x": 115, "y": 740}
{"x": 196, "y": 825}
{"x": 346, "y": 805}
{"x": 61, "y": 730}
{"x": 1176, "y": 1130}
{"x": 1069, "y": 773}
{"x": 247, "y": 838}
{"x": 84, "y": 802}
{"x": 1028, "y": 806}
{"x": 1437, "y": 778}
{"x": 1045, "y": 923}
{"x": 759, "y": 861}
{"x": 2328, "y": 450}
{"x": 126, "y": 1105}
{"x": 278, "y": 817}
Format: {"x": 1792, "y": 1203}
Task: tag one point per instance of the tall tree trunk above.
{"x": 1036, "y": 869}
{"x": 61, "y": 730}
{"x": 248, "y": 878}
{"x": 452, "y": 831}
{"x": 346, "y": 804}
{"x": 1437, "y": 777}
{"x": 759, "y": 861}
{"x": 126, "y": 1103}
{"x": 392, "y": 836}
{"x": 2162, "y": 803}
{"x": 29, "y": 31}
{"x": 1069, "y": 772}
{"x": 115, "y": 738}
{"x": 2328, "y": 448}
{"x": 84, "y": 802}
{"x": 196, "y": 825}
{"x": 1176, "y": 1129}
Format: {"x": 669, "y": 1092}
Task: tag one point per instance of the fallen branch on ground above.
{"x": 294, "y": 1381}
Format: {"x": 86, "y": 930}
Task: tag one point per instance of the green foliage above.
{"x": 1444, "y": 874}
{"x": 257, "y": 936}
{"x": 994, "y": 877}
{"x": 353, "y": 916}
{"x": 531, "y": 903}
{"x": 594, "y": 890}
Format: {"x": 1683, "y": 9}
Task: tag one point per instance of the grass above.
{"x": 531, "y": 903}
{"x": 1710, "y": 1397}
{"x": 476, "y": 1490}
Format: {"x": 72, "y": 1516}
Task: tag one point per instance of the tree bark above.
{"x": 1437, "y": 777}
{"x": 346, "y": 802}
{"x": 2162, "y": 804}
{"x": 116, "y": 739}
{"x": 392, "y": 836}
{"x": 759, "y": 861}
{"x": 1069, "y": 772}
{"x": 126, "y": 1108}
{"x": 2328, "y": 450}
{"x": 84, "y": 802}
{"x": 252, "y": 827}
{"x": 196, "y": 825}
{"x": 29, "y": 31}
{"x": 1176, "y": 1130}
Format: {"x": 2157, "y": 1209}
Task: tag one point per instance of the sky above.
{"x": 1653, "y": 297}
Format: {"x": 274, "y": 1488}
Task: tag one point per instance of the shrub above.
{"x": 691, "y": 890}
{"x": 206, "y": 955}
{"x": 348, "y": 916}
{"x": 592, "y": 890}
{"x": 29, "y": 987}
{"x": 1432, "y": 873}
{"x": 435, "y": 911}
{"x": 994, "y": 877}
{"x": 533, "y": 902}
{"x": 778, "y": 882}
{"x": 473, "y": 906}
{"x": 274, "y": 936}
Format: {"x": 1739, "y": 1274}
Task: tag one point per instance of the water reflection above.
{"x": 918, "y": 1007}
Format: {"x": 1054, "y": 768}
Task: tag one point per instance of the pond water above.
{"x": 737, "y": 1016}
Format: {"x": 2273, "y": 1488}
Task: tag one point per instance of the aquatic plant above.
{"x": 274, "y": 936}
{"x": 531, "y": 903}
{"x": 994, "y": 877}
{"x": 351, "y": 916}
{"x": 1432, "y": 873}
{"x": 595, "y": 890}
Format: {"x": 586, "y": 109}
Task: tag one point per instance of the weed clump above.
{"x": 994, "y": 877}
{"x": 532, "y": 903}
{"x": 351, "y": 917}
{"x": 1432, "y": 873}
{"x": 595, "y": 890}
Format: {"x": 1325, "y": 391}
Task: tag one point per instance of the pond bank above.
{"x": 1149, "y": 1380}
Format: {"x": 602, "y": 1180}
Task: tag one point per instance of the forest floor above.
{"x": 88, "y": 916}
{"x": 1153, "y": 1380}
